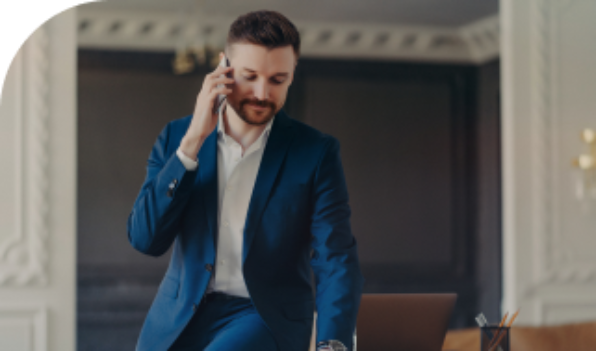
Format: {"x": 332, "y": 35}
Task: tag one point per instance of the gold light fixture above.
{"x": 183, "y": 62}
{"x": 586, "y": 163}
{"x": 192, "y": 56}
{"x": 196, "y": 47}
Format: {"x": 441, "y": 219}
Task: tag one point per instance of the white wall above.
{"x": 37, "y": 192}
{"x": 548, "y": 57}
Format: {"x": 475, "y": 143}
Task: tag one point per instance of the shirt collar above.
{"x": 224, "y": 137}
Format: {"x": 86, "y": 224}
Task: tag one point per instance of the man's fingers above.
{"x": 220, "y": 90}
{"x": 215, "y": 76}
{"x": 222, "y": 80}
{"x": 219, "y": 71}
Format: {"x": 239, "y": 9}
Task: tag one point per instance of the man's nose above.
{"x": 260, "y": 91}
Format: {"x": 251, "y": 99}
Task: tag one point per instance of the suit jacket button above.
{"x": 171, "y": 187}
{"x": 209, "y": 267}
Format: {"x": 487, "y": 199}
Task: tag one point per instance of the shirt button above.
{"x": 209, "y": 267}
{"x": 222, "y": 262}
{"x": 226, "y": 223}
{"x": 236, "y": 159}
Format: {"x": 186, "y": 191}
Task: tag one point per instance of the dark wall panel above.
{"x": 396, "y": 144}
{"x": 122, "y": 113}
{"x": 408, "y": 144}
{"x": 488, "y": 156}
{"x": 124, "y": 101}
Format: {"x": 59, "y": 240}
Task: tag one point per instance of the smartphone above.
{"x": 221, "y": 97}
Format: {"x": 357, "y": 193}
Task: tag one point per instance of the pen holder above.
{"x": 494, "y": 338}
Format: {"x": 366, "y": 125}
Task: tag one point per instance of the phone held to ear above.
{"x": 221, "y": 97}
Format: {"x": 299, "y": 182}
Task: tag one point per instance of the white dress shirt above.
{"x": 236, "y": 175}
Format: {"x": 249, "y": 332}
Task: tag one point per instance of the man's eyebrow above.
{"x": 283, "y": 74}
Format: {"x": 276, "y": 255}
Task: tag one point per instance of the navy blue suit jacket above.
{"x": 298, "y": 218}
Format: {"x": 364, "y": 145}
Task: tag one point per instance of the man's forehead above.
{"x": 259, "y": 58}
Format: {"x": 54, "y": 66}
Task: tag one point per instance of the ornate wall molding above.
{"x": 553, "y": 260}
{"x": 542, "y": 140}
{"x": 27, "y": 320}
{"x": 564, "y": 310}
{"x": 23, "y": 253}
{"x": 163, "y": 31}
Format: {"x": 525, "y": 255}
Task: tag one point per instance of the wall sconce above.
{"x": 586, "y": 185}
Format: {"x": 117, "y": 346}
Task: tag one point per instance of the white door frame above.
{"x": 38, "y": 192}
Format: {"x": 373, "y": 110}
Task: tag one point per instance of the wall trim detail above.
{"x": 542, "y": 140}
{"x": 550, "y": 264}
{"x": 549, "y": 310}
{"x": 23, "y": 258}
{"x": 32, "y": 316}
{"x": 475, "y": 43}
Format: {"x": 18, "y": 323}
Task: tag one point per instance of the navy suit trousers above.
{"x": 224, "y": 325}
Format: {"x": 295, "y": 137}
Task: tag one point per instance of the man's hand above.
{"x": 204, "y": 118}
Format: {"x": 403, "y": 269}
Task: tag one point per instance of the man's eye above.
{"x": 276, "y": 81}
{"x": 250, "y": 78}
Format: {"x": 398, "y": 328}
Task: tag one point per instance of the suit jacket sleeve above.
{"x": 156, "y": 215}
{"x": 335, "y": 260}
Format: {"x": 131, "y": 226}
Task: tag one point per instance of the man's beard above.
{"x": 253, "y": 117}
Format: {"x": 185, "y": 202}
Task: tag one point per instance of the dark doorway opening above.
{"x": 420, "y": 147}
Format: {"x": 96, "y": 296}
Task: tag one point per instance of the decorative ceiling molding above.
{"x": 482, "y": 39}
{"x": 475, "y": 43}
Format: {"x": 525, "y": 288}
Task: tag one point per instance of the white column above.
{"x": 549, "y": 95}
{"x": 38, "y": 192}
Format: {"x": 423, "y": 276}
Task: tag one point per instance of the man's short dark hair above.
{"x": 267, "y": 28}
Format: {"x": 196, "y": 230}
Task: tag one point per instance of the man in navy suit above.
{"x": 252, "y": 201}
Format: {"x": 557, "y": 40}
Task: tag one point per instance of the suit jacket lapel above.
{"x": 208, "y": 179}
{"x": 275, "y": 151}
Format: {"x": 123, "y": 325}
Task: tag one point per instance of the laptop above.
{"x": 408, "y": 322}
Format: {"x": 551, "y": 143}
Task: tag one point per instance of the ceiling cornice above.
{"x": 475, "y": 43}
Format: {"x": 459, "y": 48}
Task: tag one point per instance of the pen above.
{"x": 490, "y": 344}
{"x": 482, "y": 322}
{"x": 503, "y": 334}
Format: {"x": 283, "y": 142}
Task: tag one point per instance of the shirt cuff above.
{"x": 188, "y": 163}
